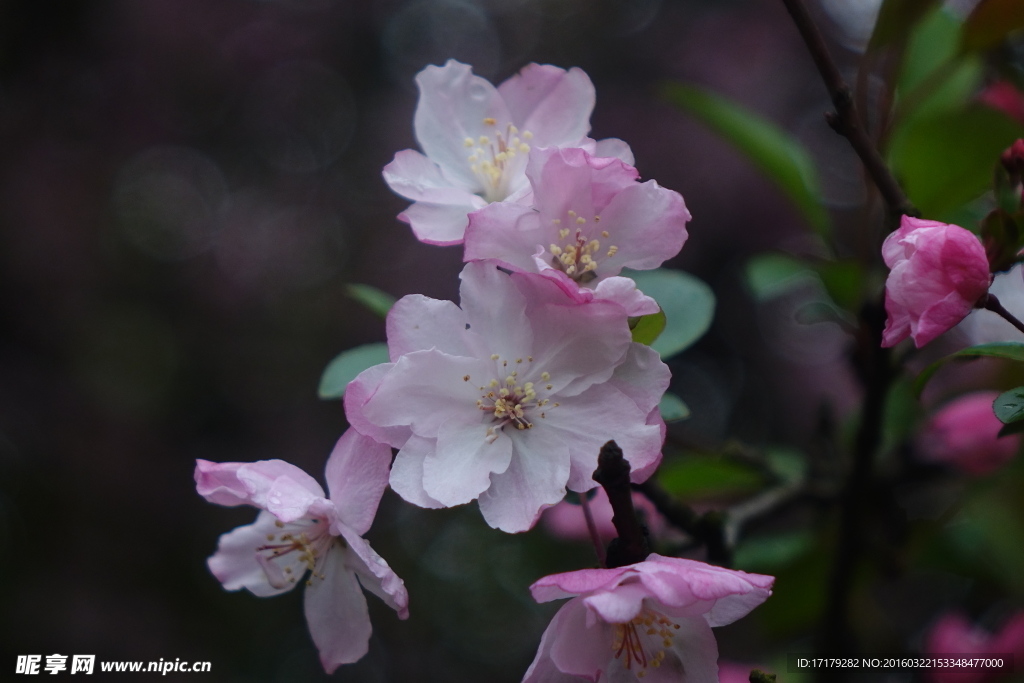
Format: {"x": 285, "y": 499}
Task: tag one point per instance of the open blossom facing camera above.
{"x": 938, "y": 273}
{"x": 591, "y": 217}
{"x": 475, "y": 140}
{"x": 301, "y": 536}
{"x": 509, "y": 398}
{"x": 647, "y": 621}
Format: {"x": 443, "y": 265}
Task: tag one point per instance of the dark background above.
{"x": 186, "y": 186}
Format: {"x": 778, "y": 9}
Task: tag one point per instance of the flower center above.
{"x": 301, "y": 546}
{"x": 641, "y": 643}
{"x": 509, "y": 401}
{"x": 494, "y": 158}
{"x": 576, "y": 254}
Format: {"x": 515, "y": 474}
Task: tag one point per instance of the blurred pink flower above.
{"x": 964, "y": 434}
{"x": 1004, "y": 96}
{"x": 731, "y": 672}
{"x": 476, "y": 138}
{"x": 955, "y": 635}
{"x": 938, "y": 273}
{"x": 301, "y": 530}
{"x": 590, "y": 218}
{"x": 649, "y": 620}
{"x": 509, "y": 398}
{"x": 566, "y": 520}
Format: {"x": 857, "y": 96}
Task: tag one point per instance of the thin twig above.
{"x": 613, "y": 474}
{"x": 991, "y": 303}
{"x": 845, "y": 120}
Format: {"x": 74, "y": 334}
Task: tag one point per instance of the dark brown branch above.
{"x": 845, "y": 120}
{"x": 991, "y": 303}
{"x": 613, "y": 474}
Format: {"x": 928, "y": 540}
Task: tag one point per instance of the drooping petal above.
{"x": 731, "y": 592}
{"x": 218, "y": 483}
{"x": 551, "y": 103}
{"x": 407, "y": 472}
{"x": 424, "y": 389}
{"x": 419, "y": 323}
{"x": 584, "y": 423}
{"x": 357, "y": 474}
{"x": 467, "y": 454}
{"x": 535, "y": 479}
{"x": 336, "y": 613}
{"x": 374, "y": 573}
{"x": 453, "y": 106}
{"x": 235, "y": 565}
{"x": 441, "y": 220}
{"x": 282, "y": 489}
{"x": 543, "y": 669}
{"x": 358, "y": 392}
{"x": 577, "y": 647}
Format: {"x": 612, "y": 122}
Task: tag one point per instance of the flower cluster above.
{"x": 507, "y": 397}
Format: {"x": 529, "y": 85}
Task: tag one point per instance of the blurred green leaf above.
{"x": 933, "y": 42}
{"x": 702, "y": 477}
{"x": 686, "y": 301}
{"x": 1009, "y": 406}
{"x": 770, "y": 148}
{"x": 347, "y": 364}
{"x": 788, "y": 464}
{"x": 990, "y": 22}
{"x": 901, "y": 414}
{"x": 772, "y": 274}
{"x": 377, "y": 301}
{"x": 844, "y": 282}
{"x": 770, "y": 553}
{"x": 946, "y": 160}
{"x": 988, "y": 532}
{"x": 895, "y": 20}
{"x": 647, "y": 328}
{"x": 672, "y": 408}
{"x": 1006, "y": 350}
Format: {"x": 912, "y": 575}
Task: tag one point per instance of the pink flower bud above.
{"x": 964, "y": 434}
{"x": 1013, "y": 158}
{"x": 938, "y": 273}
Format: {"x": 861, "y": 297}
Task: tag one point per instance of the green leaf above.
{"x": 1006, "y": 350}
{"x": 844, "y": 282}
{"x": 672, "y": 408}
{"x": 701, "y": 477}
{"x": 772, "y": 274}
{"x": 895, "y": 20}
{"x": 770, "y": 553}
{"x": 771, "y": 149}
{"x": 377, "y": 301}
{"x": 1009, "y": 406}
{"x": 647, "y": 328}
{"x": 946, "y": 160}
{"x": 933, "y": 43}
{"x": 686, "y": 301}
{"x": 990, "y": 22}
{"x": 788, "y": 464}
{"x": 347, "y": 364}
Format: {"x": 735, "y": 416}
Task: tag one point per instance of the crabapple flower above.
{"x": 938, "y": 273}
{"x": 475, "y": 139}
{"x": 954, "y": 635}
{"x": 300, "y": 530}
{"x": 965, "y": 435}
{"x": 590, "y": 218}
{"x": 647, "y": 621}
{"x": 509, "y": 398}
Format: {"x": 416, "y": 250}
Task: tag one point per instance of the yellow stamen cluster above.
{"x": 493, "y": 154}
{"x": 509, "y": 400}
{"x": 310, "y": 549}
{"x": 628, "y": 642}
{"x": 577, "y": 256}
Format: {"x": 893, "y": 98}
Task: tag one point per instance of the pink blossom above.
{"x": 509, "y": 398}
{"x": 300, "y": 530}
{"x": 955, "y": 635}
{"x": 590, "y": 218}
{"x": 965, "y": 435}
{"x": 476, "y": 137}
{"x": 650, "y": 620}
{"x": 566, "y": 520}
{"x": 1004, "y": 96}
{"x": 939, "y": 272}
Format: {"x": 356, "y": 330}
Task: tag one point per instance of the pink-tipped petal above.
{"x": 218, "y": 483}
{"x": 374, "y": 573}
{"x": 551, "y": 103}
{"x": 336, "y": 614}
{"x": 357, "y": 474}
{"x": 358, "y": 392}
